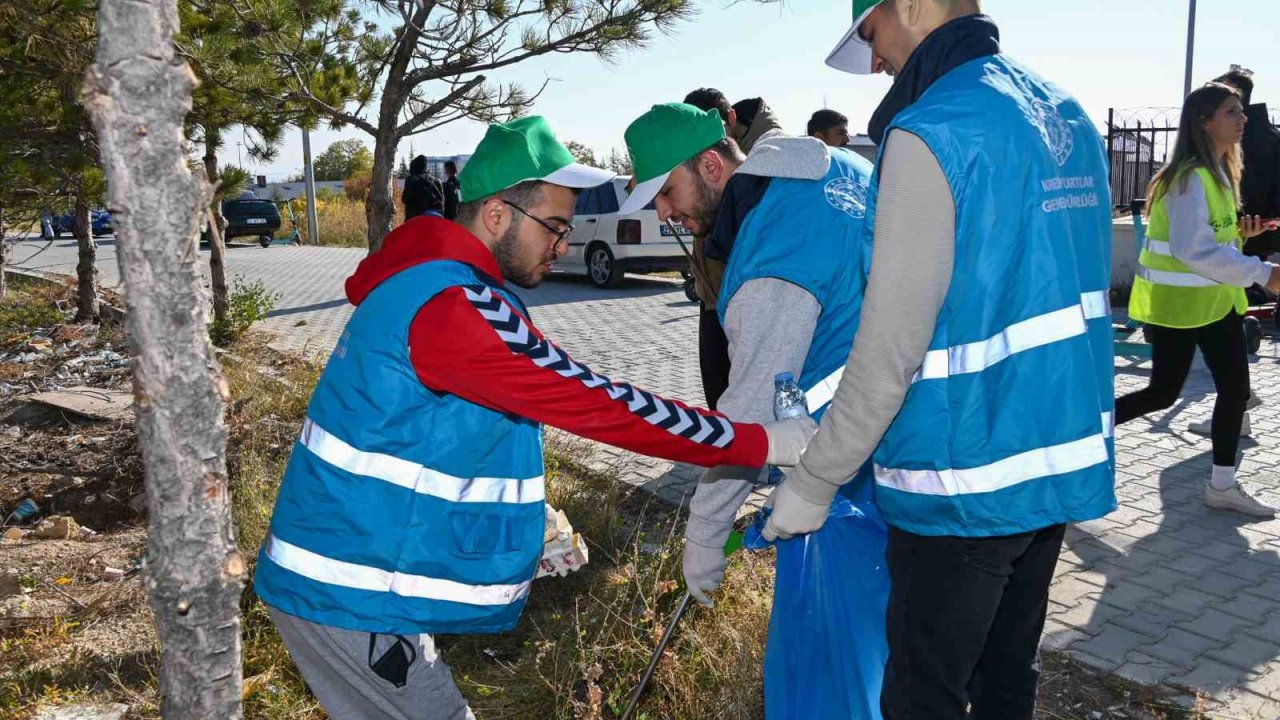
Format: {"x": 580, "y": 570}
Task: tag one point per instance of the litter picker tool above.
{"x": 734, "y": 543}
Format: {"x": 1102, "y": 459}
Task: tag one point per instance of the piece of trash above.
{"x": 14, "y": 534}
{"x": 87, "y": 534}
{"x": 26, "y": 510}
{"x": 563, "y": 550}
{"x": 112, "y": 574}
{"x": 93, "y": 403}
{"x": 89, "y": 499}
{"x": 64, "y": 580}
{"x": 57, "y": 527}
{"x": 114, "y": 711}
{"x": 40, "y": 344}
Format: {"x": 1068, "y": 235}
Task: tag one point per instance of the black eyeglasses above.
{"x": 559, "y": 234}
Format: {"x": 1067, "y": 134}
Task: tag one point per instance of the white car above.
{"x": 604, "y": 245}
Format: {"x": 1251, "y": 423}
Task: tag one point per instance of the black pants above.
{"x": 1172, "y": 350}
{"x": 713, "y": 356}
{"x": 964, "y": 623}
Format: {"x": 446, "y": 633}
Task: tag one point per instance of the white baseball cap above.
{"x": 852, "y": 54}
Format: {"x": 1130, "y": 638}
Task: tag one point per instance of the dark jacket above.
{"x": 452, "y": 197}
{"x": 422, "y": 193}
{"x": 1260, "y": 186}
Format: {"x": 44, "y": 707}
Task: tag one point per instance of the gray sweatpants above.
{"x": 339, "y": 667}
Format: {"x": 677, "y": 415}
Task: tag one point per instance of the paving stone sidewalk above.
{"x": 1164, "y": 590}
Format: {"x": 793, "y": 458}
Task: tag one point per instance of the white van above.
{"x": 603, "y": 245}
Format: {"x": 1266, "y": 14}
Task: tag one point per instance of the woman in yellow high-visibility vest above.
{"x": 1189, "y": 288}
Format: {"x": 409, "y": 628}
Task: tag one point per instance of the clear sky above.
{"x": 1109, "y": 53}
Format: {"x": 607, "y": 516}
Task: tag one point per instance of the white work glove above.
{"x": 703, "y": 570}
{"x": 798, "y": 507}
{"x": 788, "y": 439}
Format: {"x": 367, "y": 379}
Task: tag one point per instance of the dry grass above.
{"x": 341, "y": 219}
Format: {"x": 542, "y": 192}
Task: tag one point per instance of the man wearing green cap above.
{"x": 413, "y": 501}
{"x": 980, "y": 386}
{"x": 791, "y": 216}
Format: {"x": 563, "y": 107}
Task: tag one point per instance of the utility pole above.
{"x": 1191, "y": 47}
{"x": 313, "y": 224}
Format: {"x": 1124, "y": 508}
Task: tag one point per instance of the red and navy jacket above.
{"x": 490, "y": 353}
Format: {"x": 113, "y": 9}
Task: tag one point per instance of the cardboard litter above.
{"x": 57, "y": 527}
{"x": 563, "y": 550}
{"x": 13, "y": 533}
{"x": 114, "y": 711}
{"x": 93, "y": 403}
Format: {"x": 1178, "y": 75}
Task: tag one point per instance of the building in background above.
{"x": 862, "y": 145}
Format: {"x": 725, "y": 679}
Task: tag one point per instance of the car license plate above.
{"x": 665, "y": 231}
{"x": 255, "y": 221}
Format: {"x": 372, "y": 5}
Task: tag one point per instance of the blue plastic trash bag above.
{"x": 827, "y": 650}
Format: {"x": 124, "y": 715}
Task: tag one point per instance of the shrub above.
{"x": 246, "y": 304}
{"x": 356, "y": 187}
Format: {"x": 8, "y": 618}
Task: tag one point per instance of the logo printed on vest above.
{"x": 848, "y": 196}
{"x": 1053, "y": 129}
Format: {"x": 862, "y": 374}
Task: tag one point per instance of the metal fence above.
{"x": 1139, "y": 142}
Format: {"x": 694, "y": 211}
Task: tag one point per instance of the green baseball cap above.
{"x": 660, "y": 140}
{"x": 521, "y": 150}
{"x": 852, "y": 55}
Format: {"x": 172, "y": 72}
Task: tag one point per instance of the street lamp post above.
{"x": 1191, "y": 47}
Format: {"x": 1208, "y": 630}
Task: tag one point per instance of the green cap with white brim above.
{"x": 853, "y": 54}
{"x": 519, "y": 151}
{"x": 660, "y": 140}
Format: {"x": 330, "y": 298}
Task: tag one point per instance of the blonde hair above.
{"x": 1194, "y": 148}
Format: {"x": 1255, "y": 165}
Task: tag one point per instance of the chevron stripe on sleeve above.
{"x": 520, "y": 338}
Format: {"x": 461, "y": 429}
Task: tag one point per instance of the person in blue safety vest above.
{"x": 790, "y": 215}
{"x": 981, "y": 380}
{"x": 413, "y": 502}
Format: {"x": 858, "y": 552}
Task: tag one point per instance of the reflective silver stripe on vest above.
{"x": 819, "y": 395}
{"x": 1159, "y": 247}
{"x": 362, "y": 577}
{"x": 937, "y": 363}
{"x": 1019, "y": 337}
{"x": 415, "y": 477}
{"x": 1020, "y": 468}
{"x": 1176, "y": 279}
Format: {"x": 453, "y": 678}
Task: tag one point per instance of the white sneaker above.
{"x": 1205, "y": 427}
{"x": 1235, "y": 498}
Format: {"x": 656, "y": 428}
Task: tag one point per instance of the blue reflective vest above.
{"x": 1007, "y": 426}
{"x": 403, "y": 510}
{"x": 809, "y": 233}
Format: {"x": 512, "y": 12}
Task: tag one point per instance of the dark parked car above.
{"x": 99, "y": 221}
{"x": 251, "y": 216}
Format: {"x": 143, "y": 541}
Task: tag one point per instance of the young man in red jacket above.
{"x": 413, "y": 502}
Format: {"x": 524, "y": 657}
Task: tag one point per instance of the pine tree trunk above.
{"x": 380, "y": 208}
{"x": 138, "y": 94}
{"x": 217, "y": 245}
{"x": 86, "y": 264}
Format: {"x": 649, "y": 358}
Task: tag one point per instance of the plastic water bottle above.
{"x": 788, "y": 402}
